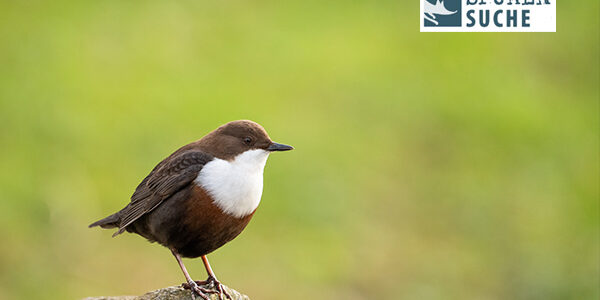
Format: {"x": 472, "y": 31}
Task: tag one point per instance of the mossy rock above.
{"x": 173, "y": 293}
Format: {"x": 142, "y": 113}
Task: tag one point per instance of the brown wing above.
{"x": 167, "y": 178}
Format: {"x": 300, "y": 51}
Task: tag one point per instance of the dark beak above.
{"x": 279, "y": 147}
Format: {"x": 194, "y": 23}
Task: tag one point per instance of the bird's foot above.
{"x": 198, "y": 290}
{"x": 201, "y": 282}
{"x": 218, "y": 287}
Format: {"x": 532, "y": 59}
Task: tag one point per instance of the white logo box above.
{"x": 541, "y": 18}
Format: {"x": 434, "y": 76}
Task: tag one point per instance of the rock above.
{"x": 173, "y": 293}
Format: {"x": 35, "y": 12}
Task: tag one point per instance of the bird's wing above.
{"x": 167, "y": 178}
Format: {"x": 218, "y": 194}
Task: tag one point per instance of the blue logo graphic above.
{"x": 442, "y": 13}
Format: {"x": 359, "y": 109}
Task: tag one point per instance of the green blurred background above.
{"x": 427, "y": 166}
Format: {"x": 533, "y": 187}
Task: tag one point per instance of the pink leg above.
{"x": 213, "y": 279}
{"x": 191, "y": 284}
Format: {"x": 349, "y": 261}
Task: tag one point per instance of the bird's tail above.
{"x": 111, "y": 221}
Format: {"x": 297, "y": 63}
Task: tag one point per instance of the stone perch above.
{"x": 173, "y": 293}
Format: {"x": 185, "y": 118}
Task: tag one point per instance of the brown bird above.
{"x": 201, "y": 196}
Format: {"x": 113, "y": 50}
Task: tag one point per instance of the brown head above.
{"x": 237, "y": 137}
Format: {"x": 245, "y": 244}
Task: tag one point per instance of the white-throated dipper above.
{"x": 201, "y": 196}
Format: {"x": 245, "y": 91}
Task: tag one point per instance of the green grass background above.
{"x": 427, "y": 166}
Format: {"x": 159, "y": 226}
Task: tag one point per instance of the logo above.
{"x": 442, "y": 13}
{"x": 488, "y": 15}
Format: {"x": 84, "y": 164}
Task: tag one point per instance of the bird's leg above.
{"x": 191, "y": 284}
{"x": 213, "y": 279}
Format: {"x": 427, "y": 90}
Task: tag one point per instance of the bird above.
{"x": 200, "y": 197}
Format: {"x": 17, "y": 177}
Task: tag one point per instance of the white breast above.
{"x": 235, "y": 186}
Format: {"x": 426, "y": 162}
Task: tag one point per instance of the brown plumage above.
{"x": 173, "y": 207}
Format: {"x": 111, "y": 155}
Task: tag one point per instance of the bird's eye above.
{"x": 248, "y": 140}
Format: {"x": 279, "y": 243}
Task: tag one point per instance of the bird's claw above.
{"x": 218, "y": 287}
{"x": 197, "y": 289}
{"x": 195, "y": 286}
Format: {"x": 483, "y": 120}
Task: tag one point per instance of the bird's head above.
{"x": 237, "y": 137}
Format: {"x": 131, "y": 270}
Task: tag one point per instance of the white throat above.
{"x": 235, "y": 186}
